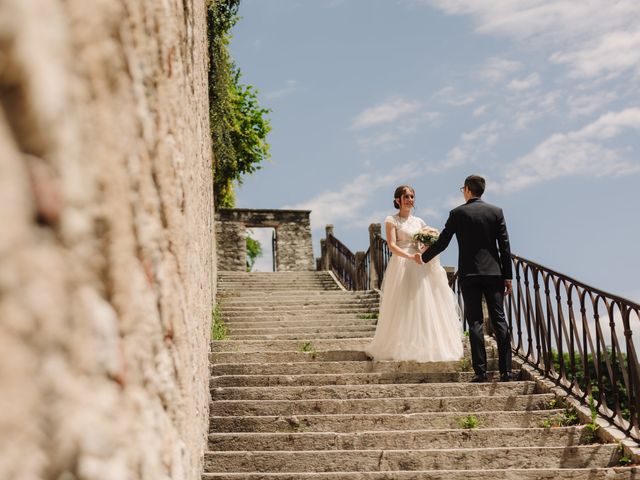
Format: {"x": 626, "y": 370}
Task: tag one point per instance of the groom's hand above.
{"x": 508, "y": 289}
{"x": 418, "y": 258}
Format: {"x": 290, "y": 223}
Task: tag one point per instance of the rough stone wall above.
{"x": 294, "y": 248}
{"x": 231, "y": 246}
{"x": 106, "y": 242}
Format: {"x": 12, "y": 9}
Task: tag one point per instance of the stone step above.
{"x": 345, "y": 367}
{"x": 294, "y": 324}
{"x": 339, "y": 297}
{"x": 401, "y": 440}
{"x": 341, "y": 379}
{"x": 378, "y": 422}
{"x": 305, "y": 336}
{"x": 503, "y": 403}
{"x": 325, "y": 309}
{"x": 374, "y": 391}
{"x": 287, "y": 356}
{"x": 286, "y": 345}
{"x": 619, "y": 473}
{"x": 290, "y": 328}
{"x": 384, "y": 460}
{"x": 309, "y": 317}
{"x": 299, "y": 294}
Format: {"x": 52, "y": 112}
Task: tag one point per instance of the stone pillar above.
{"x": 294, "y": 248}
{"x": 374, "y": 229}
{"x": 232, "y": 246}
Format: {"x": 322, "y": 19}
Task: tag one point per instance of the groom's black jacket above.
{"x": 480, "y": 230}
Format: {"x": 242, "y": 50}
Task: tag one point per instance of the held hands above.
{"x": 418, "y": 258}
{"x": 508, "y": 289}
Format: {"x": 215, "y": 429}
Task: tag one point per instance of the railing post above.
{"x": 359, "y": 273}
{"x": 374, "y": 267}
{"x": 322, "y": 261}
{"x": 326, "y": 260}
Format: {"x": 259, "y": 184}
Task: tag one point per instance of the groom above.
{"x": 484, "y": 269}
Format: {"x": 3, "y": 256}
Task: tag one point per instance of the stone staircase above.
{"x": 294, "y": 397}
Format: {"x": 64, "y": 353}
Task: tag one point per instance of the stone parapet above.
{"x": 293, "y": 245}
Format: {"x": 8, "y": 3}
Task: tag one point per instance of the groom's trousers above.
{"x": 492, "y": 289}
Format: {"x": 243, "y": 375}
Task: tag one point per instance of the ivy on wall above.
{"x": 239, "y": 125}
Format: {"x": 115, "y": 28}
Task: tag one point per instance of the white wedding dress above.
{"x": 419, "y": 316}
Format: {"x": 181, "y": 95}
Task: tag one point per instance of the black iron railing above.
{"x": 381, "y": 256}
{"x": 577, "y": 336}
{"x": 342, "y": 262}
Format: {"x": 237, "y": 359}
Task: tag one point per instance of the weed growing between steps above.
{"x": 469, "y": 422}
{"x": 368, "y": 316}
{"x": 307, "y": 347}
{"x": 465, "y": 364}
{"x": 592, "y": 427}
{"x": 219, "y": 330}
{"x": 567, "y": 418}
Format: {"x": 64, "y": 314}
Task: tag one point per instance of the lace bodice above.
{"x": 406, "y": 228}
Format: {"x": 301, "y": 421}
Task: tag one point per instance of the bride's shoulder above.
{"x": 390, "y": 219}
{"x": 420, "y": 221}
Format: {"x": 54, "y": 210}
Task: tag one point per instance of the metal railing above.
{"x": 577, "y": 336}
{"x": 342, "y": 262}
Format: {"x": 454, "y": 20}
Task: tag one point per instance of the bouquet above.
{"x": 427, "y": 236}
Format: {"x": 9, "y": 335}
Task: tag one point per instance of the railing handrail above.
{"x": 576, "y": 282}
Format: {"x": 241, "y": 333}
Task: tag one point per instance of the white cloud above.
{"x": 472, "y": 143}
{"x": 291, "y": 86}
{"x": 526, "y": 83}
{"x": 593, "y": 37}
{"x": 580, "y": 105}
{"x": 351, "y": 200}
{"x": 383, "y": 141}
{"x": 579, "y": 153}
{"x": 497, "y": 69}
{"x": 610, "y": 55}
{"x": 449, "y": 96}
{"x": 386, "y": 112}
{"x": 480, "y": 111}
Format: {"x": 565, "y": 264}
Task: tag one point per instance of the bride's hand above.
{"x": 423, "y": 248}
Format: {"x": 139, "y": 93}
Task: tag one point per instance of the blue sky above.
{"x": 540, "y": 97}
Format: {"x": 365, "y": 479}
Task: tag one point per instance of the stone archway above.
{"x": 293, "y": 248}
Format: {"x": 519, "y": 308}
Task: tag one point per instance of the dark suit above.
{"x": 484, "y": 262}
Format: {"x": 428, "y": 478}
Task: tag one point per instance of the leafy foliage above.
{"x": 239, "y": 125}
{"x": 254, "y": 250}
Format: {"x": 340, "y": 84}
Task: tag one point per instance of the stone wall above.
{"x": 294, "y": 248}
{"x": 106, "y": 248}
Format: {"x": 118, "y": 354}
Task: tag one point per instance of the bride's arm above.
{"x": 391, "y": 241}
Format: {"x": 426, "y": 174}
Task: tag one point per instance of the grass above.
{"x": 368, "y": 316}
{"x": 565, "y": 419}
{"x": 592, "y": 426}
{"x": 469, "y": 422}
{"x": 219, "y": 331}
{"x": 307, "y": 347}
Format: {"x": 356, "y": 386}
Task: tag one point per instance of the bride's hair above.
{"x": 399, "y": 192}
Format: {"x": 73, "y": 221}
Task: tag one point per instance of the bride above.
{"x": 418, "y": 313}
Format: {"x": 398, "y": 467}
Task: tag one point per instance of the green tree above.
{"x": 254, "y": 250}
{"x": 239, "y": 125}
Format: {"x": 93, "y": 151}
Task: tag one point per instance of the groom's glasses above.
{"x": 462, "y": 189}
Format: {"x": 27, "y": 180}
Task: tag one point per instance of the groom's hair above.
{"x": 475, "y": 184}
